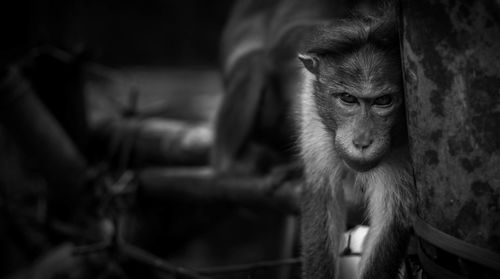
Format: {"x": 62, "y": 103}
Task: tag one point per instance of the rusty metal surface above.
{"x": 451, "y": 53}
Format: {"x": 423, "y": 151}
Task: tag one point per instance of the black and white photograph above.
{"x": 249, "y": 139}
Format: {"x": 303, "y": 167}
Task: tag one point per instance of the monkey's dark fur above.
{"x": 352, "y": 124}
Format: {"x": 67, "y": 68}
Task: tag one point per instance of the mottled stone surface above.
{"x": 451, "y": 52}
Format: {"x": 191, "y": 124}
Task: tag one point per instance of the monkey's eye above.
{"x": 348, "y": 98}
{"x": 384, "y": 101}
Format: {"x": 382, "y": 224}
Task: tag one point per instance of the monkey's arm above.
{"x": 388, "y": 250}
{"x": 391, "y": 205}
{"x": 323, "y": 224}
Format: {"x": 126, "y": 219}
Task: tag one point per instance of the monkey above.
{"x": 253, "y": 129}
{"x": 351, "y": 122}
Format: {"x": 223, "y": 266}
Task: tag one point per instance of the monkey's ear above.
{"x": 310, "y": 61}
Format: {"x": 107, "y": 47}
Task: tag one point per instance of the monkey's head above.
{"x": 357, "y": 88}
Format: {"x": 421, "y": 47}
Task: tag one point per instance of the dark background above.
{"x": 165, "y": 53}
{"x": 116, "y": 32}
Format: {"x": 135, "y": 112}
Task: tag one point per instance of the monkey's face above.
{"x": 360, "y": 101}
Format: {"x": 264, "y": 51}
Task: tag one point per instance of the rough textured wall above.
{"x": 452, "y": 71}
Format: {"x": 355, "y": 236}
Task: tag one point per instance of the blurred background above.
{"x": 119, "y": 33}
{"x": 101, "y": 101}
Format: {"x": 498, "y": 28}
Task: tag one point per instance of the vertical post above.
{"x": 451, "y": 60}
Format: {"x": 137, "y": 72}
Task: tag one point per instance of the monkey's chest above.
{"x": 355, "y": 201}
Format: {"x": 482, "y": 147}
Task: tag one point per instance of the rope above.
{"x": 455, "y": 246}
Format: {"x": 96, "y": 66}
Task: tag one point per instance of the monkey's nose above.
{"x": 362, "y": 143}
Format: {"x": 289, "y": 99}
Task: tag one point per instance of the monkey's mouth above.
{"x": 361, "y": 165}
